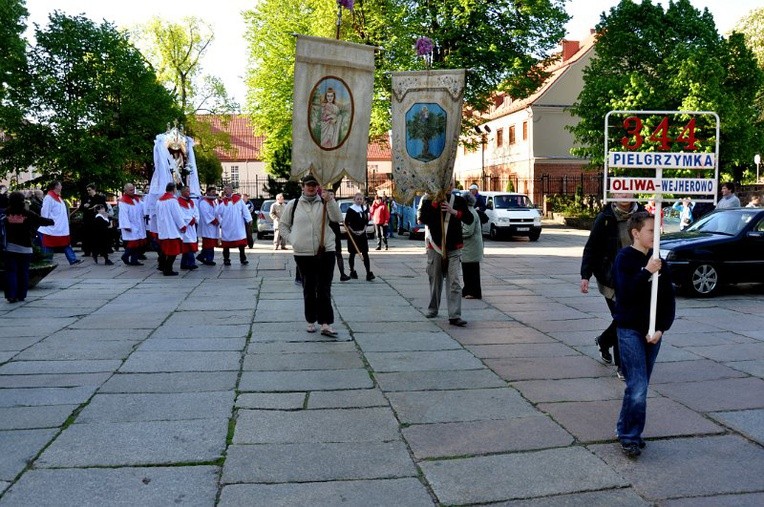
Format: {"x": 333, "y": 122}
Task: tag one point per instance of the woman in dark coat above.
{"x": 20, "y": 226}
{"x": 356, "y": 218}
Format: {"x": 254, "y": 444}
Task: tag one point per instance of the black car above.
{"x": 726, "y": 246}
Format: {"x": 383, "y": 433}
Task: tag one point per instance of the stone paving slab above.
{"x": 43, "y": 326}
{"x": 36, "y": 367}
{"x": 48, "y": 416}
{"x": 705, "y": 339}
{"x": 137, "y": 443}
{"x": 384, "y": 342}
{"x": 278, "y": 427}
{"x": 624, "y": 497}
{"x": 594, "y": 421}
{"x": 418, "y": 361}
{"x": 297, "y": 336}
{"x": 742, "y": 500}
{"x": 358, "y": 398}
{"x": 547, "y": 368}
{"x": 284, "y": 347}
{"x": 407, "y": 492}
{"x": 18, "y": 447}
{"x": 574, "y": 389}
{"x": 156, "y": 361}
{"x": 155, "y": 407}
{"x": 748, "y": 422}
{"x": 177, "y": 382}
{"x": 45, "y": 396}
{"x": 223, "y": 317}
{"x": 307, "y": 361}
{"x": 201, "y": 331}
{"x": 524, "y": 350}
{"x": 691, "y": 371}
{"x": 70, "y": 335}
{"x": 438, "y": 380}
{"x": 508, "y": 335}
{"x": 193, "y": 344}
{"x": 484, "y": 437}
{"x": 714, "y": 395}
{"x": 395, "y": 326}
{"x": 755, "y": 368}
{"x": 522, "y": 475}
{"x": 58, "y": 350}
{"x": 122, "y": 486}
{"x": 16, "y": 344}
{"x": 670, "y": 354}
{"x": 273, "y": 401}
{"x": 120, "y": 321}
{"x": 419, "y": 407}
{"x": 690, "y": 467}
{"x": 329, "y": 380}
{"x": 724, "y": 353}
{"x": 54, "y": 380}
{"x": 379, "y": 313}
{"x": 308, "y": 462}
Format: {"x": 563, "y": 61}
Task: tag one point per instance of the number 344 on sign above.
{"x": 660, "y": 136}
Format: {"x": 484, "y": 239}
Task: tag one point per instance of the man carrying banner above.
{"x": 444, "y": 254}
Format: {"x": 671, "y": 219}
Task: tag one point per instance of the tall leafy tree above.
{"x": 650, "y": 59}
{"x": 752, "y": 27}
{"x": 175, "y": 49}
{"x": 12, "y": 61}
{"x": 93, "y": 107}
{"x": 504, "y": 43}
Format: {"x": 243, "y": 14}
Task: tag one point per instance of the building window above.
{"x": 512, "y": 138}
{"x": 525, "y": 131}
{"x": 499, "y": 138}
{"x": 235, "y": 176}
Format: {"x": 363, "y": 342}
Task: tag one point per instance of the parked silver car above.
{"x": 264, "y": 222}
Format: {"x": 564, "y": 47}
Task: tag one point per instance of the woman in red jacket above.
{"x": 380, "y": 215}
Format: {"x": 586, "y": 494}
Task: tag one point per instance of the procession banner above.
{"x": 427, "y": 120}
{"x": 333, "y": 85}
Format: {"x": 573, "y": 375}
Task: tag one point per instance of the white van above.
{"x": 511, "y": 214}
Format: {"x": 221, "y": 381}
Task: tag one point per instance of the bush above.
{"x": 578, "y": 205}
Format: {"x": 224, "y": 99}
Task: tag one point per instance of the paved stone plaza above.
{"x": 122, "y": 387}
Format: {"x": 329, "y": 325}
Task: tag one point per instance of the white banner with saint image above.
{"x": 333, "y": 85}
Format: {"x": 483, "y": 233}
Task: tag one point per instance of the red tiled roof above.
{"x": 247, "y": 146}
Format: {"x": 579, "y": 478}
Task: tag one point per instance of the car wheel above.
{"x": 260, "y": 235}
{"x": 534, "y": 236}
{"x": 494, "y": 233}
{"x": 704, "y": 280}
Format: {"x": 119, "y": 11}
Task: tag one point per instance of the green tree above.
{"x": 92, "y": 109}
{"x": 12, "y": 57}
{"x": 752, "y": 27}
{"x": 424, "y": 126}
{"x": 650, "y": 59}
{"x": 176, "y": 49}
{"x": 504, "y": 43}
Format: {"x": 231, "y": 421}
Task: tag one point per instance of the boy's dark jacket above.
{"x": 632, "y": 292}
{"x": 602, "y": 247}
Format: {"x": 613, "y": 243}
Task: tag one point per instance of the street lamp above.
{"x": 484, "y": 131}
{"x": 757, "y": 161}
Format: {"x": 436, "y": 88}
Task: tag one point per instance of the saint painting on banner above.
{"x": 331, "y": 113}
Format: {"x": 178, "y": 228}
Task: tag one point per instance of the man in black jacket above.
{"x": 609, "y": 234}
{"x": 444, "y": 257}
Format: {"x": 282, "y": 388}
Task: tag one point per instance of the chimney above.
{"x": 569, "y": 48}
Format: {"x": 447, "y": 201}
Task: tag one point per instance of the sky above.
{"x": 227, "y": 56}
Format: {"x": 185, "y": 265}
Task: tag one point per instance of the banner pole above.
{"x": 656, "y": 253}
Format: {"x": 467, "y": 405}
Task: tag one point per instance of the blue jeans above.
{"x": 16, "y": 275}
{"x": 68, "y": 252}
{"x": 637, "y": 361}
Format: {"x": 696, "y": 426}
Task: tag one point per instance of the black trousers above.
{"x": 317, "y": 272}
{"x": 471, "y": 276}
{"x": 609, "y": 337}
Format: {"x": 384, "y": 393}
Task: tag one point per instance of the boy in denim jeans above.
{"x": 633, "y": 272}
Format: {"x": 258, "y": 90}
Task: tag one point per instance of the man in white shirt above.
{"x": 233, "y": 216}
{"x": 190, "y": 214}
{"x": 729, "y": 199}
{"x": 170, "y": 225}
{"x": 209, "y": 226}
{"x": 132, "y": 225}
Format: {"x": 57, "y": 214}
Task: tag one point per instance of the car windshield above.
{"x": 722, "y": 223}
{"x": 266, "y": 206}
{"x": 344, "y": 205}
{"x": 511, "y": 201}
